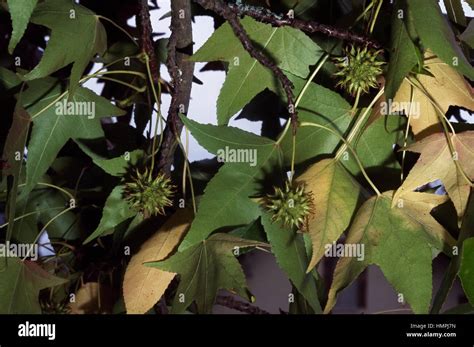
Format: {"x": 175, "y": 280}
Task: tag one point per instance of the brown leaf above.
{"x": 143, "y": 286}
{"x": 446, "y": 88}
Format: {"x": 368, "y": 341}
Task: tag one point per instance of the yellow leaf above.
{"x": 436, "y": 162}
{"x": 335, "y": 195}
{"x": 446, "y": 88}
{"x": 87, "y": 299}
{"x": 143, "y": 286}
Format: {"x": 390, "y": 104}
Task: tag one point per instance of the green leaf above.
{"x": 48, "y": 203}
{"x": 116, "y": 211}
{"x": 452, "y": 271}
{"x": 435, "y": 33}
{"x": 253, "y": 232}
{"x": 226, "y": 201}
{"x": 321, "y": 106}
{"x": 20, "y": 12}
{"x": 40, "y": 207}
{"x": 115, "y": 166}
{"x": 335, "y": 197}
{"x": 25, "y": 230}
{"x": 216, "y": 138}
{"x": 299, "y": 305}
{"x": 52, "y": 129}
{"x": 455, "y": 11}
{"x": 243, "y": 82}
{"x": 205, "y": 268}
{"x": 118, "y": 166}
{"x": 401, "y": 241}
{"x": 291, "y": 49}
{"x": 461, "y": 309}
{"x": 375, "y": 146}
{"x": 466, "y": 272}
{"x": 21, "y": 283}
{"x": 289, "y": 250}
{"x": 76, "y": 37}
{"x": 8, "y": 79}
{"x": 403, "y": 55}
{"x": 468, "y": 34}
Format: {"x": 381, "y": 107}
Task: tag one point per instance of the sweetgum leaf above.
{"x": 445, "y": 86}
{"x": 226, "y": 201}
{"x": 437, "y": 162}
{"x": 322, "y": 106}
{"x": 117, "y": 166}
{"x": 8, "y": 79}
{"x": 51, "y": 130}
{"x": 40, "y": 207}
{"x": 205, "y": 268}
{"x": 455, "y": 11}
{"x": 21, "y": 284}
{"x": 76, "y": 37}
{"x": 291, "y": 49}
{"x": 436, "y": 34}
{"x": 335, "y": 198}
{"x": 468, "y": 34}
{"x": 403, "y": 56}
{"x": 116, "y": 211}
{"x": 467, "y": 230}
{"x": 143, "y": 286}
{"x": 400, "y": 240}
{"x": 20, "y": 12}
{"x": 374, "y": 146}
{"x": 466, "y": 272}
{"x": 289, "y": 250}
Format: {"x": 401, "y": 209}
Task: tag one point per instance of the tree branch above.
{"x": 180, "y": 48}
{"x": 146, "y": 40}
{"x": 230, "y": 302}
{"x": 266, "y": 16}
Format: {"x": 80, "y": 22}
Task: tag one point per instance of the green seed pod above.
{"x": 358, "y": 69}
{"x": 290, "y": 206}
{"x": 148, "y": 195}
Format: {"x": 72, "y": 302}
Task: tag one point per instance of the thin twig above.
{"x": 276, "y": 20}
{"x": 232, "y": 303}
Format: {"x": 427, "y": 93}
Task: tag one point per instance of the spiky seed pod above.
{"x": 148, "y": 195}
{"x": 358, "y": 69}
{"x": 290, "y": 206}
{"x": 49, "y": 307}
